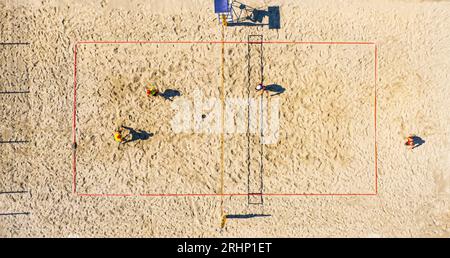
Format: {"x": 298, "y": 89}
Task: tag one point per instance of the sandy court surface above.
{"x": 164, "y": 163}
{"x": 324, "y": 142}
{"x": 119, "y": 99}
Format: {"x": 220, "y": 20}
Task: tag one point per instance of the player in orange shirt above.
{"x": 260, "y": 89}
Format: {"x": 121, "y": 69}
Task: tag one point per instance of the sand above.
{"x": 334, "y": 160}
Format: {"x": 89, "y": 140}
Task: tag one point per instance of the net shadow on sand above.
{"x": 247, "y": 216}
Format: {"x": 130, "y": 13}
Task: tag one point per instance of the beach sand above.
{"x": 333, "y": 161}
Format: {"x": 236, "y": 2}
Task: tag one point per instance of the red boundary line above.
{"x": 74, "y": 120}
{"x": 231, "y": 42}
{"x": 229, "y": 194}
{"x": 220, "y": 42}
{"x": 375, "y": 119}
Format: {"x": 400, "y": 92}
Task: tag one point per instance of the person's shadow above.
{"x": 417, "y": 141}
{"x": 275, "y": 88}
{"x": 170, "y": 94}
{"x": 137, "y": 135}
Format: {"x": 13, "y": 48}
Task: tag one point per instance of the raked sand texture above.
{"x": 335, "y": 164}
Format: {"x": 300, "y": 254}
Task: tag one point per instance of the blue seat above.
{"x": 221, "y": 6}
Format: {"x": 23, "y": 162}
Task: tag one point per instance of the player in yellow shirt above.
{"x": 118, "y": 137}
